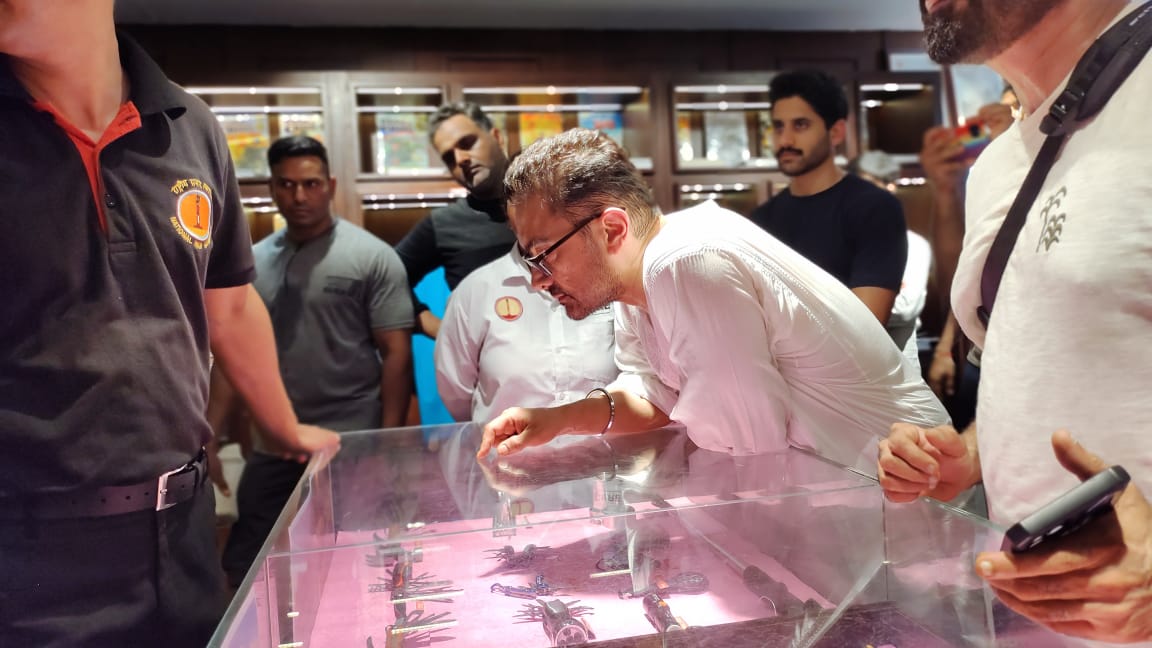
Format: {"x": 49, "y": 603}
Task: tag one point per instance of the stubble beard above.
{"x": 491, "y": 181}
{"x": 982, "y": 31}
{"x": 603, "y": 289}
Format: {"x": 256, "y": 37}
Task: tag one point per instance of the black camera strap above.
{"x": 1097, "y": 75}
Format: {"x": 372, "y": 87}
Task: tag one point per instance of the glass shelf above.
{"x": 392, "y": 131}
{"x": 524, "y": 114}
{"x": 254, "y": 116}
{"x": 263, "y": 217}
{"x": 391, "y": 215}
{"x": 740, "y": 197}
{"x": 724, "y": 126}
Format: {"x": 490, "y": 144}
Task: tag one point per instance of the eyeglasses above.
{"x": 537, "y": 262}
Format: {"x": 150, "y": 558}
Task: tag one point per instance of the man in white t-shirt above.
{"x": 1068, "y": 345}
{"x": 504, "y": 343}
{"x": 719, "y": 326}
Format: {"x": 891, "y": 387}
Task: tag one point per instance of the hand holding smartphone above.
{"x": 974, "y": 135}
{"x": 1067, "y": 513}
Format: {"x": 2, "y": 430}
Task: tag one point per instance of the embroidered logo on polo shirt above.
{"x": 509, "y": 309}
{"x": 193, "y": 219}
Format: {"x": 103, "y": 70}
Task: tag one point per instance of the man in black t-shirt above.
{"x": 852, "y": 229}
{"x": 472, "y": 231}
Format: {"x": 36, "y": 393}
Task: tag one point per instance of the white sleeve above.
{"x": 733, "y": 396}
{"x": 914, "y": 289}
{"x": 636, "y": 374}
{"x": 457, "y": 353}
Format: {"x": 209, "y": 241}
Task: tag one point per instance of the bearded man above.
{"x": 1066, "y": 351}
{"x": 851, "y": 228}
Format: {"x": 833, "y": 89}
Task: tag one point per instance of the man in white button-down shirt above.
{"x": 505, "y": 343}
{"x": 719, "y": 326}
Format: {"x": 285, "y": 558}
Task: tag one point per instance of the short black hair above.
{"x": 821, "y": 90}
{"x": 297, "y": 146}
{"x": 447, "y": 111}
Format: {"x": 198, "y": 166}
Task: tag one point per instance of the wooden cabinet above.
{"x": 695, "y": 136}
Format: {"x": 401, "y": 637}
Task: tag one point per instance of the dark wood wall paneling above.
{"x": 206, "y": 53}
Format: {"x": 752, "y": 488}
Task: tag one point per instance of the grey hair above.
{"x": 580, "y": 170}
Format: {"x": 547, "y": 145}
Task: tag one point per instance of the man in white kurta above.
{"x": 720, "y": 326}
{"x": 504, "y": 343}
{"x": 754, "y": 348}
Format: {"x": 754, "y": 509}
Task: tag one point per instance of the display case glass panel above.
{"x": 405, "y": 539}
{"x": 526, "y": 113}
{"x": 723, "y": 126}
{"x": 254, "y": 117}
{"x": 392, "y": 131}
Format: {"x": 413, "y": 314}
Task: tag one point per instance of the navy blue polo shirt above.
{"x": 103, "y": 331}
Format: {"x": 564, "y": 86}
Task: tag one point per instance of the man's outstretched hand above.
{"x": 517, "y": 428}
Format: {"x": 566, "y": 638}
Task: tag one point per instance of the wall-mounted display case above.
{"x": 527, "y": 113}
{"x": 392, "y": 131}
{"x": 263, "y": 216}
{"x": 390, "y": 215}
{"x": 722, "y": 126}
{"x": 624, "y": 540}
{"x": 253, "y": 117}
{"x": 740, "y": 197}
{"x": 696, "y": 136}
{"x": 894, "y": 112}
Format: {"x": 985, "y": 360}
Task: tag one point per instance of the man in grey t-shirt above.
{"x": 342, "y": 313}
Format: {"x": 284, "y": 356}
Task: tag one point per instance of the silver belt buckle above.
{"x": 162, "y": 488}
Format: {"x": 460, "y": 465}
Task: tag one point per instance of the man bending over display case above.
{"x": 719, "y": 326}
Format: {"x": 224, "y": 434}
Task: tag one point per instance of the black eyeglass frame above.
{"x": 536, "y": 262}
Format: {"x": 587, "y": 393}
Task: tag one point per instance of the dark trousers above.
{"x": 264, "y": 489}
{"x": 962, "y": 405}
{"x": 139, "y": 579}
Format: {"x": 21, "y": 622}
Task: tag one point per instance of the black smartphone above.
{"x": 1067, "y": 513}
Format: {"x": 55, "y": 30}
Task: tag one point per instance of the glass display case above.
{"x": 524, "y": 114}
{"x": 722, "y": 126}
{"x": 403, "y": 538}
{"x": 392, "y": 131}
{"x": 254, "y": 117}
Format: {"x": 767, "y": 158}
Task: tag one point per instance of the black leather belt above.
{"x": 165, "y": 491}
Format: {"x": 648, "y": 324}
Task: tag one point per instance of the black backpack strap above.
{"x": 1014, "y": 222}
{"x": 1102, "y": 69}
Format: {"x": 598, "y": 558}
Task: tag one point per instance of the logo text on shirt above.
{"x": 193, "y": 219}
{"x": 345, "y": 286}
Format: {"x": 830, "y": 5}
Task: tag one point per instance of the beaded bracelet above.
{"x": 611, "y": 408}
